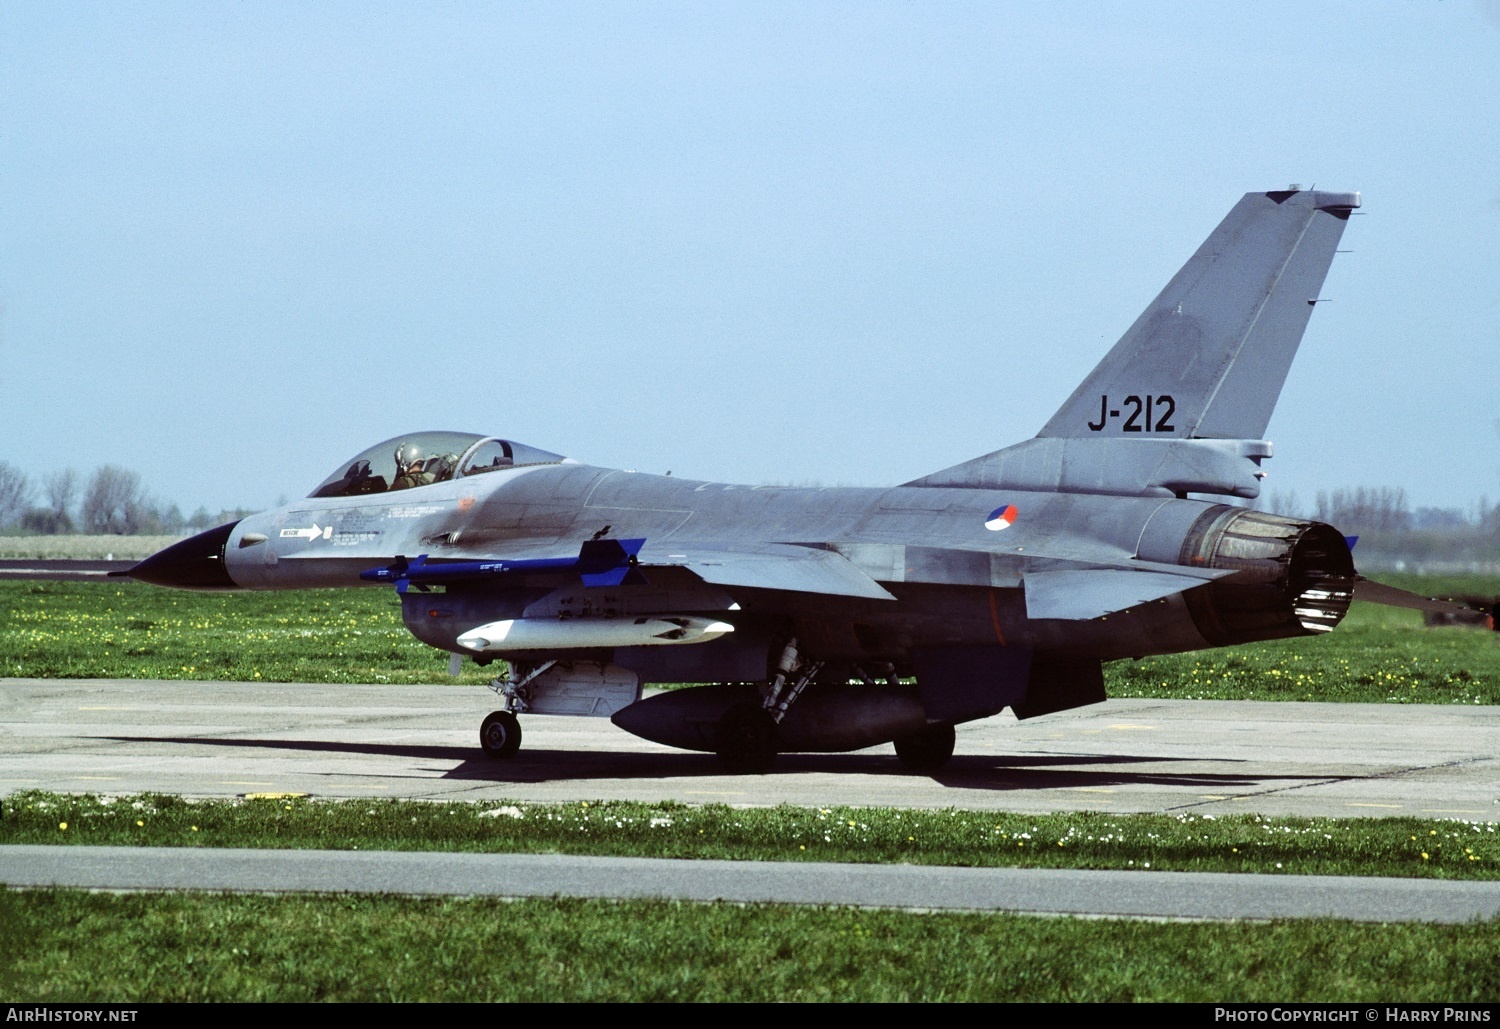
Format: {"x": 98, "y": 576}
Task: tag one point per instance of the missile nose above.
{"x": 196, "y": 563}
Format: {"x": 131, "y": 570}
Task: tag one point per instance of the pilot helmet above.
{"x": 407, "y": 454}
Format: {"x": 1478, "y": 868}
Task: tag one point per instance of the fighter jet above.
{"x": 833, "y": 619}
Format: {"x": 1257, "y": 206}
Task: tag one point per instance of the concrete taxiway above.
{"x": 225, "y": 739}
{"x": 1056, "y": 891}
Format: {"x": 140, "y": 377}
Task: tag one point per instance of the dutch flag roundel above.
{"x": 1001, "y": 518}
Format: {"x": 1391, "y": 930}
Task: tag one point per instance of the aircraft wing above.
{"x": 1071, "y": 594}
{"x": 609, "y": 562}
{"x": 769, "y": 566}
{"x": 1084, "y": 593}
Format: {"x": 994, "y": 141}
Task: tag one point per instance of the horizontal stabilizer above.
{"x": 1082, "y": 594}
{"x": 772, "y": 566}
{"x": 1373, "y": 592}
{"x": 1126, "y": 468}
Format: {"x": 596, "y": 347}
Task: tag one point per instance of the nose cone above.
{"x": 196, "y": 563}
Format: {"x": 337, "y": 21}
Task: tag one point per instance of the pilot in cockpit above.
{"x": 410, "y": 467}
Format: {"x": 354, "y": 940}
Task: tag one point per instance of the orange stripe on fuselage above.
{"x": 995, "y": 619}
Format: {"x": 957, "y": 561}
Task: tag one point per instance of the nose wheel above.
{"x": 500, "y": 735}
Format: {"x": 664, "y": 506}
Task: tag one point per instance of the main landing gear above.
{"x": 748, "y": 736}
{"x": 927, "y": 750}
{"x": 745, "y": 738}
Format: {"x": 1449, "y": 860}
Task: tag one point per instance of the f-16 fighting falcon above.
{"x": 832, "y": 619}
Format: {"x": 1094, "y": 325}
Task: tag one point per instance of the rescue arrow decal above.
{"x": 308, "y": 534}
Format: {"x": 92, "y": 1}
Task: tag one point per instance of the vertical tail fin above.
{"x": 1208, "y": 358}
{"x": 1181, "y": 402}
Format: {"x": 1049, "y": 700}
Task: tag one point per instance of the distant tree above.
{"x": 204, "y": 519}
{"x": 1282, "y": 502}
{"x": 62, "y": 491}
{"x": 15, "y": 493}
{"x": 114, "y": 502}
{"x": 1439, "y": 518}
{"x": 1380, "y": 509}
{"x": 1487, "y": 517}
{"x": 57, "y": 516}
{"x": 167, "y": 519}
{"x": 41, "y": 520}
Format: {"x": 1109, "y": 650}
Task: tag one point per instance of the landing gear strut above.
{"x": 745, "y": 738}
{"x": 500, "y": 732}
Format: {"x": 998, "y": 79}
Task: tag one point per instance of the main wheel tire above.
{"x": 500, "y": 735}
{"x": 927, "y": 750}
{"x": 745, "y": 739}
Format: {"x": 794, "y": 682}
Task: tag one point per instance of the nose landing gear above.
{"x": 500, "y": 735}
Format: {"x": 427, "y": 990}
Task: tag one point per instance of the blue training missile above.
{"x": 603, "y": 562}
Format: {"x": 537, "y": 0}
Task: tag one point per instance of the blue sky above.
{"x": 760, "y": 242}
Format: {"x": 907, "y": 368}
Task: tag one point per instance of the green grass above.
{"x": 72, "y": 630}
{"x": 131, "y": 630}
{"x": 1484, "y": 586}
{"x": 58, "y": 945}
{"x": 77, "y": 946}
{"x": 1378, "y": 655}
{"x": 1412, "y": 847}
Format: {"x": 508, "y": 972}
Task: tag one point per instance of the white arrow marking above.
{"x": 307, "y": 534}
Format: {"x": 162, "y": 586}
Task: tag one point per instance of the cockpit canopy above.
{"x": 423, "y": 458}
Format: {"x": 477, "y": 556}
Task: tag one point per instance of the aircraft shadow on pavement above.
{"x": 965, "y": 771}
